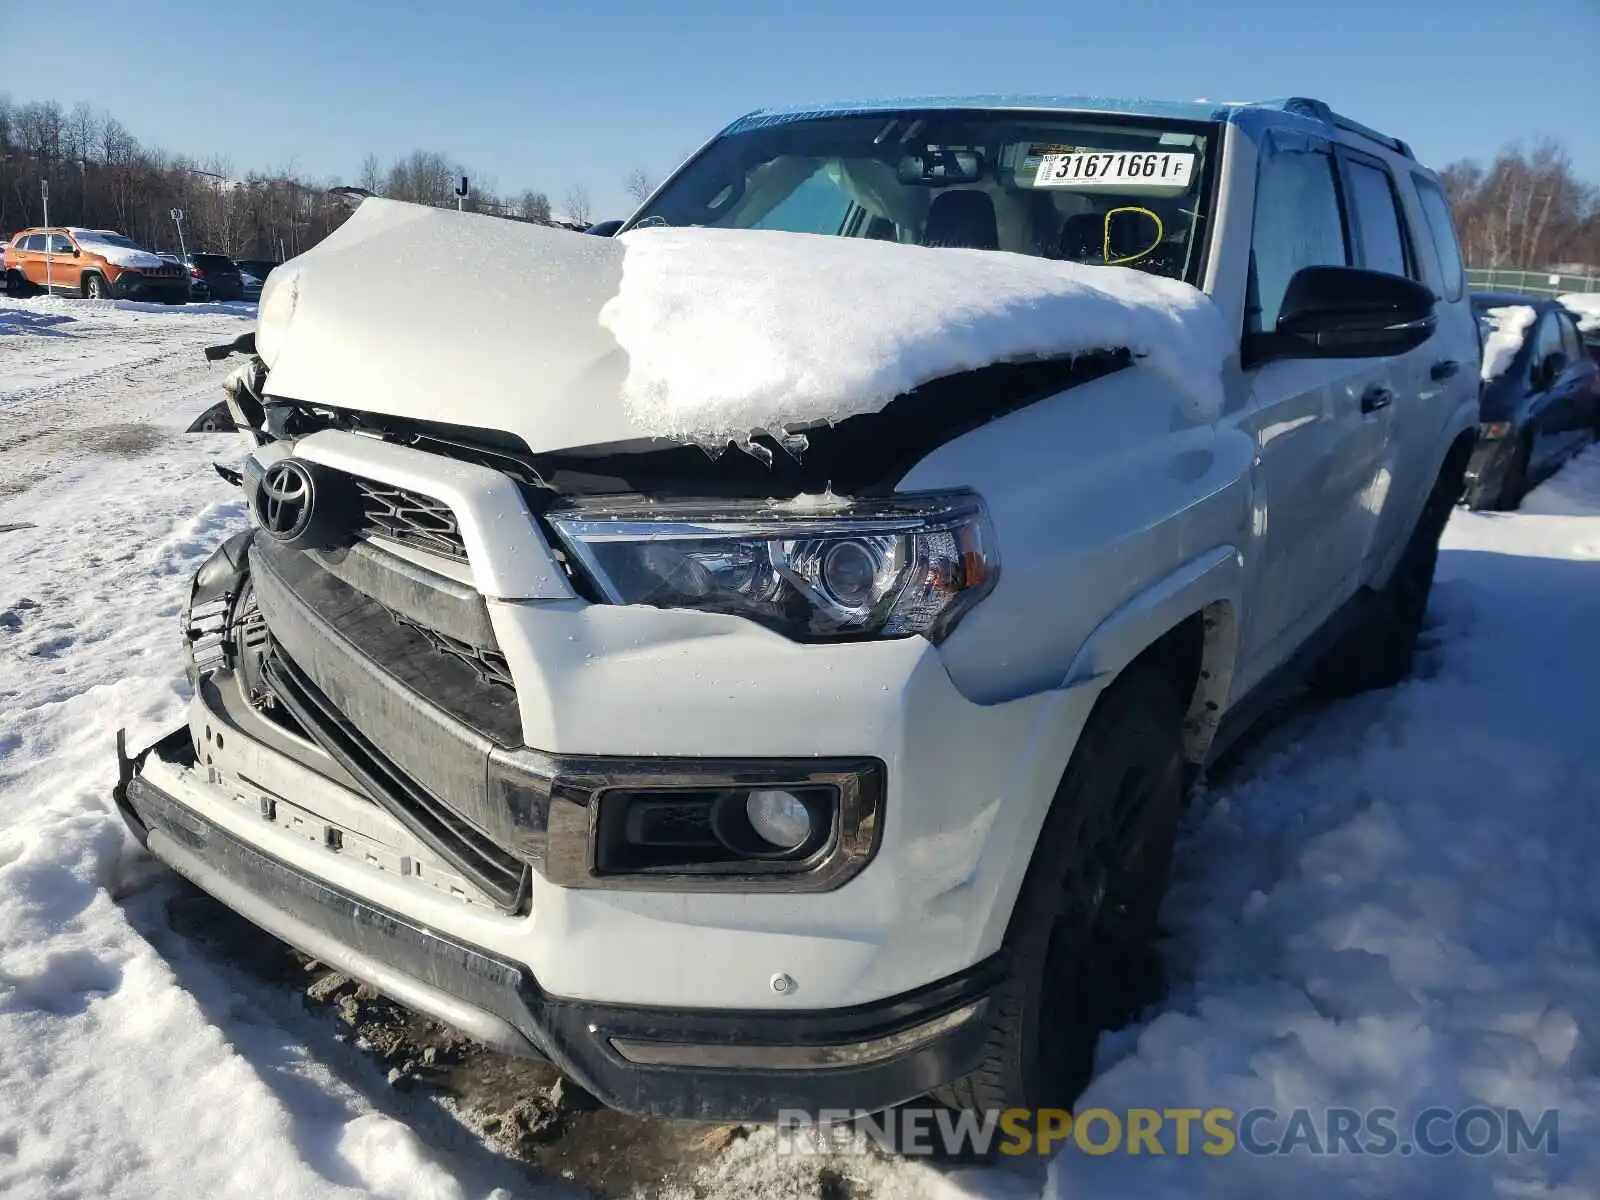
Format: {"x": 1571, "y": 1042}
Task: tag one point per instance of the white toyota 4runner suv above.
{"x": 756, "y": 661}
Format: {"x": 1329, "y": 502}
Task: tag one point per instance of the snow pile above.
{"x": 132, "y": 1062}
{"x": 1503, "y": 330}
{"x": 1586, "y": 305}
{"x": 121, "y": 256}
{"x": 1393, "y": 902}
{"x": 730, "y": 332}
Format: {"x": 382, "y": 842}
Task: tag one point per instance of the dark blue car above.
{"x": 1541, "y": 398}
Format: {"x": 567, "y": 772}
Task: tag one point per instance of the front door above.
{"x": 1321, "y": 426}
{"x": 66, "y": 269}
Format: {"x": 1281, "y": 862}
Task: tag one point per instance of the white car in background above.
{"x": 763, "y": 671}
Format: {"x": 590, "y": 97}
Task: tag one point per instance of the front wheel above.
{"x": 1080, "y": 947}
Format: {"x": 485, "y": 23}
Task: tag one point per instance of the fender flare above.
{"x": 1210, "y": 584}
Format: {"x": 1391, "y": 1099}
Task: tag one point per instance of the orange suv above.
{"x": 97, "y": 263}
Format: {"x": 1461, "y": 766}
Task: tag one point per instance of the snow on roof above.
{"x": 1586, "y": 305}
{"x": 1503, "y": 331}
{"x": 730, "y": 332}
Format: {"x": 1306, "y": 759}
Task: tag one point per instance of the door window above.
{"x": 1546, "y": 341}
{"x": 60, "y": 244}
{"x": 1299, "y": 223}
{"x": 1571, "y": 343}
{"x": 1442, "y": 232}
{"x": 1383, "y": 244}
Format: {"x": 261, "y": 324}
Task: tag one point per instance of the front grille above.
{"x": 501, "y": 876}
{"x": 411, "y": 519}
{"x": 487, "y": 663}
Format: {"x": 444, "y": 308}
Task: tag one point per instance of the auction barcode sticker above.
{"x": 1114, "y": 169}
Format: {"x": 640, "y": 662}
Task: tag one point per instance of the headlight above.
{"x": 885, "y": 568}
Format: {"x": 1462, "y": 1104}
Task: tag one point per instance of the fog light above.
{"x": 1494, "y": 429}
{"x": 779, "y": 817}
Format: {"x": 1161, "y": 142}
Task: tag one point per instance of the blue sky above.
{"x": 541, "y": 94}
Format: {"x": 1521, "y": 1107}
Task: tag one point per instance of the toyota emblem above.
{"x": 284, "y": 501}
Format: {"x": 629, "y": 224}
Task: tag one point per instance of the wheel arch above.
{"x": 1187, "y": 622}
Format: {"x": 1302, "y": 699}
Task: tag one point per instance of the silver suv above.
{"x": 843, "y": 764}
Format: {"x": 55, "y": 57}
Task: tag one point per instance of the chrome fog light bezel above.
{"x": 556, "y": 805}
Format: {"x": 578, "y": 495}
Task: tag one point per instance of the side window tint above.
{"x": 1570, "y": 342}
{"x": 1548, "y": 339}
{"x": 1383, "y": 245}
{"x": 1442, "y": 231}
{"x": 1298, "y": 224}
{"x": 34, "y": 241}
{"x": 60, "y": 244}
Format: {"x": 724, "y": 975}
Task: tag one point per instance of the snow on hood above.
{"x": 1586, "y": 306}
{"x": 729, "y": 332}
{"x": 119, "y": 256}
{"x": 1503, "y": 330}
{"x": 568, "y": 340}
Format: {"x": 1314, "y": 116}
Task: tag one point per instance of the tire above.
{"x": 1515, "y": 486}
{"x": 1080, "y": 945}
{"x": 17, "y": 286}
{"x": 95, "y": 287}
{"x": 1377, "y": 652}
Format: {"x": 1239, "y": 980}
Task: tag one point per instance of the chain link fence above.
{"x": 1531, "y": 283}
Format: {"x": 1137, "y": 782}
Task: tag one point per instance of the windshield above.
{"x": 109, "y": 239}
{"x": 1102, "y": 190}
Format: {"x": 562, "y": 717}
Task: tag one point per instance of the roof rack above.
{"x": 1319, "y": 109}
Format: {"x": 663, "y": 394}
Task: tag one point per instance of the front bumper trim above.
{"x": 794, "y": 1058}
{"x": 701, "y": 1064}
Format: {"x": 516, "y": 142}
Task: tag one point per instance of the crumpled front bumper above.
{"x": 678, "y": 1062}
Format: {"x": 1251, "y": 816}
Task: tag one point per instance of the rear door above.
{"x": 1382, "y": 241}
{"x": 30, "y": 258}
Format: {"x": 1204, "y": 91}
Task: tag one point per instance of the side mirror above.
{"x": 604, "y": 228}
{"x": 1347, "y": 312}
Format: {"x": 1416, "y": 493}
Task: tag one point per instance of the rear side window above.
{"x": 1570, "y": 342}
{"x": 34, "y": 241}
{"x": 1299, "y": 223}
{"x": 1547, "y": 340}
{"x": 1442, "y": 231}
{"x": 1383, "y": 245}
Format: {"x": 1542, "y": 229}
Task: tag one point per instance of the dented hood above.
{"x": 452, "y": 317}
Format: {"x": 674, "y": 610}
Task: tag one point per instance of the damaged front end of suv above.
{"x": 705, "y": 762}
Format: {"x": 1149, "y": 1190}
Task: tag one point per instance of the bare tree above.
{"x": 579, "y": 210}
{"x": 1526, "y": 209}
{"x": 639, "y": 185}
{"x": 372, "y": 174}
{"x": 535, "y": 207}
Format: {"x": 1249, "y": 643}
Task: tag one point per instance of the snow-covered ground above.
{"x": 1390, "y": 902}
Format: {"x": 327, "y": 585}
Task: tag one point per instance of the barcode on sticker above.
{"x": 1114, "y": 169}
